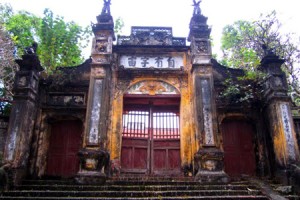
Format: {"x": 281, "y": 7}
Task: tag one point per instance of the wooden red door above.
{"x": 165, "y": 142}
{"x": 239, "y": 157}
{"x": 135, "y": 151}
{"x": 65, "y": 142}
{"x": 150, "y": 140}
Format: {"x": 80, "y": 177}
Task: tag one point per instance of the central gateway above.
{"x": 151, "y": 135}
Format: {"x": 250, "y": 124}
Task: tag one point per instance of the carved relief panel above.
{"x": 152, "y": 88}
{"x": 102, "y": 43}
{"x": 102, "y": 47}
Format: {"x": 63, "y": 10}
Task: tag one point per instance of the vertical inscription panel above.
{"x": 204, "y": 108}
{"x": 287, "y": 127}
{"x": 93, "y": 131}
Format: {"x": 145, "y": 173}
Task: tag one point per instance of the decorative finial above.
{"x": 197, "y": 10}
{"x": 267, "y": 50}
{"x": 31, "y": 50}
{"x": 106, "y": 7}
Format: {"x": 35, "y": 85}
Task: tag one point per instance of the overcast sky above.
{"x": 171, "y": 13}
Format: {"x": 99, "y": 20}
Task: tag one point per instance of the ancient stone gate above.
{"x": 148, "y": 104}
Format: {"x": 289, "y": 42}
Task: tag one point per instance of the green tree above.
{"x": 60, "y": 43}
{"x": 23, "y": 28}
{"x": 7, "y": 67}
{"x": 242, "y": 44}
{"x": 119, "y": 24}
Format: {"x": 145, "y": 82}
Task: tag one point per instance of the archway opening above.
{"x": 151, "y": 134}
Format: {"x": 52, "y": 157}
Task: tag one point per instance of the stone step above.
{"x": 136, "y": 187}
{"x": 124, "y": 182}
{"x": 292, "y": 197}
{"x": 182, "y": 193}
{"x": 246, "y": 197}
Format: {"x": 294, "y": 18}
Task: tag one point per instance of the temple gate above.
{"x": 148, "y": 104}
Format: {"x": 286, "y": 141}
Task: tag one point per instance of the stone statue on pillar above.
{"x": 197, "y": 10}
{"x": 106, "y": 7}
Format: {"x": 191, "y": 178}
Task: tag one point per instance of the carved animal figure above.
{"x": 196, "y": 5}
{"x": 31, "y": 49}
{"x": 106, "y": 7}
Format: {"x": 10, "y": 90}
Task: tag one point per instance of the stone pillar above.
{"x": 209, "y": 158}
{"x": 278, "y": 113}
{"x": 23, "y": 114}
{"x": 94, "y": 158}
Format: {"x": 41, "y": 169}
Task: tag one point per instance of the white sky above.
{"x": 171, "y": 13}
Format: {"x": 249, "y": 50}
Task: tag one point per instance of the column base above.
{"x": 212, "y": 177}
{"x": 92, "y": 178}
{"x": 94, "y": 166}
{"x": 210, "y": 164}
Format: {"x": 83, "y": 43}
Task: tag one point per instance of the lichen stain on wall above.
{"x": 186, "y": 126}
{"x": 116, "y": 130}
{"x": 280, "y": 147}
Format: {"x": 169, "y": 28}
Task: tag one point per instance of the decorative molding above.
{"x": 66, "y": 99}
{"x": 152, "y": 88}
{"x": 151, "y": 36}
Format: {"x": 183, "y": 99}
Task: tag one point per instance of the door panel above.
{"x": 174, "y": 158}
{"x": 166, "y": 156}
{"x": 166, "y": 141}
{"x": 150, "y": 139}
{"x": 134, "y": 158}
{"x": 65, "y": 141}
{"x": 127, "y": 157}
{"x": 160, "y": 162}
{"x": 238, "y": 147}
{"x": 140, "y": 158}
{"x": 134, "y": 154}
{"x": 135, "y": 141}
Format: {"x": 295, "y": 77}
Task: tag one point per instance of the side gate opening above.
{"x": 65, "y": 142}
{"x": 239, "y": 156}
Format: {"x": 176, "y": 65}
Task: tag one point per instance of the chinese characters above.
{"x": 286, "y": 122}
{"x": 146, "y": 61}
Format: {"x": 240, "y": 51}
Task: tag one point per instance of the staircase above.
{"x": 135, "y": 188}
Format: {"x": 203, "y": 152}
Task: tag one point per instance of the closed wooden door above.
{"x": 151, "y": 140}
{"x": 65, "y": 142}
{"x": 165, "y": 142}
{"x": 239, "y": 157}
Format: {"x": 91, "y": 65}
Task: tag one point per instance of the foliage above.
{"x": 245, "y": 89}
{"x": 243, "y": 42}
{"x": 237, "y": 47}
{"x": 59, "y": 42}
{"x": 119, "y": 24}
{"x": 7, "y": 67}
{"x": 23, "y": 28}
